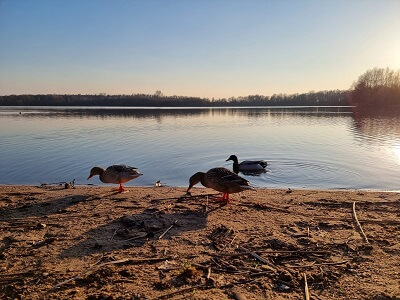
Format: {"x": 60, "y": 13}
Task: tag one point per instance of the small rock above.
{"x": 282, "y": 287}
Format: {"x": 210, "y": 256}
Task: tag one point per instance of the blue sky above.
{"x": 193, "y": 48}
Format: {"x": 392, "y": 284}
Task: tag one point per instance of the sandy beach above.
{"x": 152, "y": 243}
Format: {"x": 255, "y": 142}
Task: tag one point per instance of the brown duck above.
{"x": 221, "y": 180}
{"x": 118, "y": 174}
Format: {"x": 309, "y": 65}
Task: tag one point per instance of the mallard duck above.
{"x": 118, "y": 174}
{"x": 221, "y": 180}
{"x": 247, "y": 165}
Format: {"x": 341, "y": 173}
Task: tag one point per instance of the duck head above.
{"x": 95, "y": 171}
{"x": 195, "y": 179}
{"x": 234, "y": 158}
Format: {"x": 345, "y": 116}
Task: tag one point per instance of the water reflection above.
{"x": 377, "y": 125}
{"x": 139, "y": 112}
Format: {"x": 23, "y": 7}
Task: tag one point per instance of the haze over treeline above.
{"x": 376, "y": 87}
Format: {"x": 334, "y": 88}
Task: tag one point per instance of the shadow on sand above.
{"x": 137, "y": 229}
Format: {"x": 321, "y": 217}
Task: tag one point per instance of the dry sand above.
{"x": 93, "y": 243}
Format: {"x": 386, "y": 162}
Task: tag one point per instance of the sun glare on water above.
{"x": 396, "y": 150}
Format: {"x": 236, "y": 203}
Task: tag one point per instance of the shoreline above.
{"x": 90, "y": 242}
{"x": 201, "y": 187}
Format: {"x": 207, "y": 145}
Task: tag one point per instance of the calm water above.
{"x": 325, "y": 148}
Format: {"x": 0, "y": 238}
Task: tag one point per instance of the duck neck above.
{"x": 235, "y": 167}
{"x": 195, "y": 179}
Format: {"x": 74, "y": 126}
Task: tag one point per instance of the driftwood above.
{"x": 358, "y": 224}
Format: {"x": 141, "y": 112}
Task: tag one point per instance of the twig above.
{"x": 168, "y": 229}
{"x": 208, "y": 272}
{"x": 393, "y": 222}
{"x": 140, "y": 236}
{"x": 134, "y": 260}
{"x": 114, "y": 234}
{"x": 258, "y": 274}
{"x": 271, "y": 252}
{"x": 228, "y": 265}
{"x": 306, "y": 292}
{"x": 256, "y": 256}
{"x": 358, "y": 224}
{"x": 321, "y": 264}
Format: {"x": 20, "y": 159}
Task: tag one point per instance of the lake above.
{"x": 305, "y": 147}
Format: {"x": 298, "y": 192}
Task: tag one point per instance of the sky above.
{"x": 208, "y": 48}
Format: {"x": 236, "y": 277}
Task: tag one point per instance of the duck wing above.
{"x": 121, "y": 173}
{"x": 252, "y": 165}
{"x": 224, "y": 180}
{"x": 235, "y": 179}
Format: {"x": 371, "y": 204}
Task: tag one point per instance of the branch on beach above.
{"x": 358, "y": 224}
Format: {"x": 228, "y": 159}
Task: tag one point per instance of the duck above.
{"x": 221, "y": 180}
{"x": 247, "y": 165}
{"x": 118, "y": 174}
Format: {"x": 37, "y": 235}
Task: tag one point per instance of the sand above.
{"x": 93, "y": 243}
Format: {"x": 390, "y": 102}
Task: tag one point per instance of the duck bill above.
{"x": 90, "y": 176}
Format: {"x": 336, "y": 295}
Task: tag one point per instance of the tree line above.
{"x": 376, "y": 87}
{"x": 322, "y": 98}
